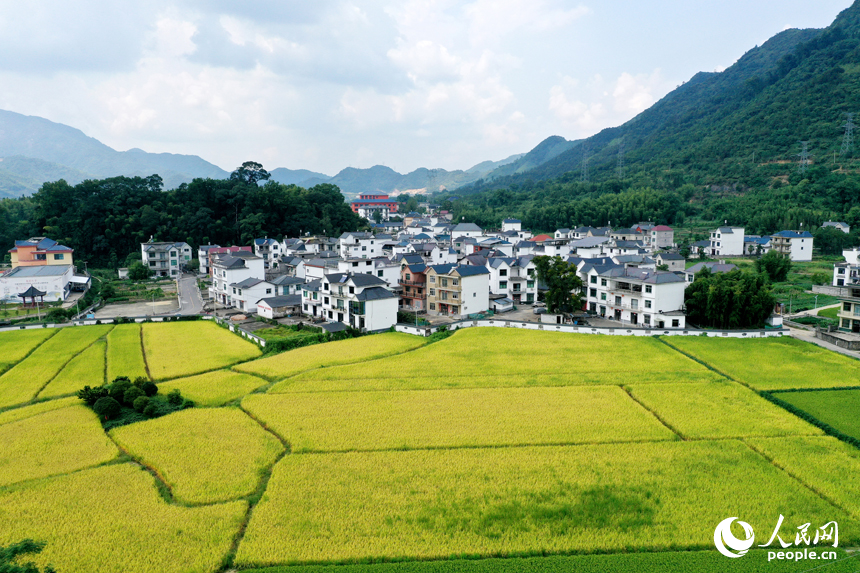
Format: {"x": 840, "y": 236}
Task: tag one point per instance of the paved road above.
{"x": 190, "y": 301}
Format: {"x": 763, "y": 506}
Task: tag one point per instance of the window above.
{"x": 325, "y": 286}
{"x": 379, "y": 273}
{"x": 306, "y": 307}
{"x": 351, "y": 290}
{"x": 59, "y": 257}
{"x": 340, "y": 291}
{"x": 432, "y": 292}
{"x": 330, "y": 314}
{"x": 530, "y": 284}
{"x": 455, "y": 295}
{"x": 432, "y": 279}
{"x": 444, "y": 282}
{"x": 593, "y": 279}
{"x": 530, "y": 272}
{"x": 603, "y": 296}
{"x": 234, "y": 290}
{"x": 268, "y": 291}
{"x": 503, "y": 285}
{"x": 355, "y": 264}
{"x": 172, "y": 263}
{"x": 647, "y": 319}
{"x": 846, "y": 323}
{"x": 363, "y": 248}
{"x": 648, "y": 288}
{"x": 325, "y": 300}
{"x": 503, "y": 272}
{"x": 602, "y": 282}
{"x": 846, "y": 306}
{"x": 455, "y": 282}
{"x": 432, "y": 306}
{"x": 676, "y": 323}
{"x": 41, "y": 256}
{"x": 592, "y": 292}
{"x": 315, "y": 295}
{"x": 173, "y": 254}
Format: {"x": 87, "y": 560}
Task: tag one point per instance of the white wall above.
{"x": 475, "y": 294}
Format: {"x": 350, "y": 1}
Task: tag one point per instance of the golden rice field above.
{"x": 772, "y": 363}
{"x": 342, "y": 421}
{"x": 112, "y": 520}
{"x": 508, "y": 501}
{"x": 52, "y": 443}
{"x": 214, "y": 388}
{"x": 15, "y": 345}
{"x": 489, "y": 357}
{"x": 204, "y": 455}
{"x": 27, "y": 378}
{"x": 719, "y": 410}
{"x": 85, "y": 369}
{"x": 178, "y": 349}
{"x": 125, "y": 352}
{"x": 322, "y": 355}
{"x": 492, "y": 442}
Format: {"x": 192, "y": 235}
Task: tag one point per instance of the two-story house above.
{"x": 457, "y": 290}
{"x": 358, "y": 245}
{"x": 245, "y": 293}
{"x": 359, "y": 300}
{"x": 230, "y": 269}
{"x": 165, "y": 259}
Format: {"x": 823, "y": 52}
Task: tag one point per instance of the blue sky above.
{"x": 330, "y": 84}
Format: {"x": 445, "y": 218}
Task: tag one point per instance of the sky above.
{"x": 329, "y": 84}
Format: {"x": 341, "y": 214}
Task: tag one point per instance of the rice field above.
{"x": 214, "y": 388}
{"x": 125, "y": 353}
{"x": 331, "y": 354}
{"x": 719, "y": 410}
{"x": 112, "y": 520}
{"x": 343, "y": 421}
{"x": 205, "y": 455}
{"x": 772, "y": 363}
{"x": 518, "y": 501}
{"x": 837, "y": 408}
{"x": 52, "y": 443}
{"x": 488, "y": 358}
{"x": 27, "y": 378}
{"x": 823, "y": 463}
{"x": 178, "y": 349}
{"x": 85, "y": 369}
{"x": 16, "y": 414}
{"x": 15, "y": 345}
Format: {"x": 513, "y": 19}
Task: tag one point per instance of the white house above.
{"x": 840, "y": 225}
{"x": 245, "y": 293}
{"x": 279, "y": 306}
{"x": 690, "y": 274}
{"x": 203, "y": 257}
{"x": 311, "y": 299}
{"x": 359, "y": 300}
{"x": 847, "y": 273}
{"x": 358, "y": 245}
{"x": 229, "y": 269}
{"x": 638, "y": 297}
{"x": 755, "y": 245}
{"x": 165, "y": 259}
{"x": 673, "y": 261}
{"x": 516, "y": 278}
{"x": 727, "y": 242}
{"x": 269, "y": 250}
{"x": 54, "y": 281}
{"x": 796, "y": 245}
{"x": 466, "y": 230}
{"x": 286, "y": 285}
{"x": 512, "y": 225}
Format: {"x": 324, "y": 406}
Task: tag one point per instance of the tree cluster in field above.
{"x": 124, "y": 401}
{"x": 10, "y": 557}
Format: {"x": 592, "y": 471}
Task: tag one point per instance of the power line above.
{"x": 848, "y": 138}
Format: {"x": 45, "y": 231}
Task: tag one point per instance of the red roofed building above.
{"x": 542, "y": 238}
{"x": 369, "y": 203}
{"x": 216, "y": 252}
{"x": 662, "y": 237}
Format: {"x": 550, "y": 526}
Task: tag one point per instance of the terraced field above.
{"x": 524, "y": 451}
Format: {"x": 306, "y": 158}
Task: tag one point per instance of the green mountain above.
{"x": 296, "y": 176}
{"x": 734, "y": 127}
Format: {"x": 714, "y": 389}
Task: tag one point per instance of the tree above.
{"x": 774, "y": 265}
{"x": 564, "y": 287}
{"x": 251, "y": 173}
{"x": 729, "y": 300}
{"x": 138, "y": 272}
{"x": 11, "y": 563}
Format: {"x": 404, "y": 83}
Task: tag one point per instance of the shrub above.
{"x": 140, "y": 381}
{"x": 91, "y": 395}
{"x": 140, "y": 403}
{"x": 149, "y": 388}
{"x": 132, "y": 394}
{"x": 107, "y": 408}
{"x": 151, "y": 410}
{"x": 117, "y": 390}
{"x": 174, "y": 397}
{"x": 9, "y": 557}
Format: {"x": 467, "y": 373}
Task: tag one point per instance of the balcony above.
{"x": 420, "y": 284}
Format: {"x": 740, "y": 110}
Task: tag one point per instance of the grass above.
{"x": 205, "y": 455}
{"x": 667, "y": 562}
{"x": 21, "y": 383}
{"x": 174, "y": 350}
{"x": 52, "y": 443}
{"x": 331, "y": 354}
{"x": 16, "y": 344}
{"x": 125, "y": 355}
{"x": 482, "y": 357}
{"x": 111, "y": 519}
{"x": 214, "y": 388}
{"x": 719, "y": 410}
{"x": 282, "y": 333}
{"x": 85, "y": 369}
{"x": 342, "y": 421}
{"x": 823, "y": 463}
{"x": 433, "y": 504}
{"x": 772, "y": 363}
{"x": 837, "y": 408}
{"x": 829, "y": 313}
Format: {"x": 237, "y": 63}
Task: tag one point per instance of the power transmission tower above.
{"x": 620, "y": 168}
{"x": 804, "y": 157}
{"x": 584, "y": 175}
{"x": 848, "y": 138}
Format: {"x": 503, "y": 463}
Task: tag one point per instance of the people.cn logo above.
{"x": 726, "y": 542}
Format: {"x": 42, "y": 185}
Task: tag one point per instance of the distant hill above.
{"x": 35, "y": 150}
{"x": 296, "y": 176}
{"x": 742, "y": 126}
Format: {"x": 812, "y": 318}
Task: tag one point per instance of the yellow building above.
{"x": 40, "y": 251}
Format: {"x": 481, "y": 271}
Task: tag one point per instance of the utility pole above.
{"x": 804, "y": 157}
{"x": 848, "y": 138}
